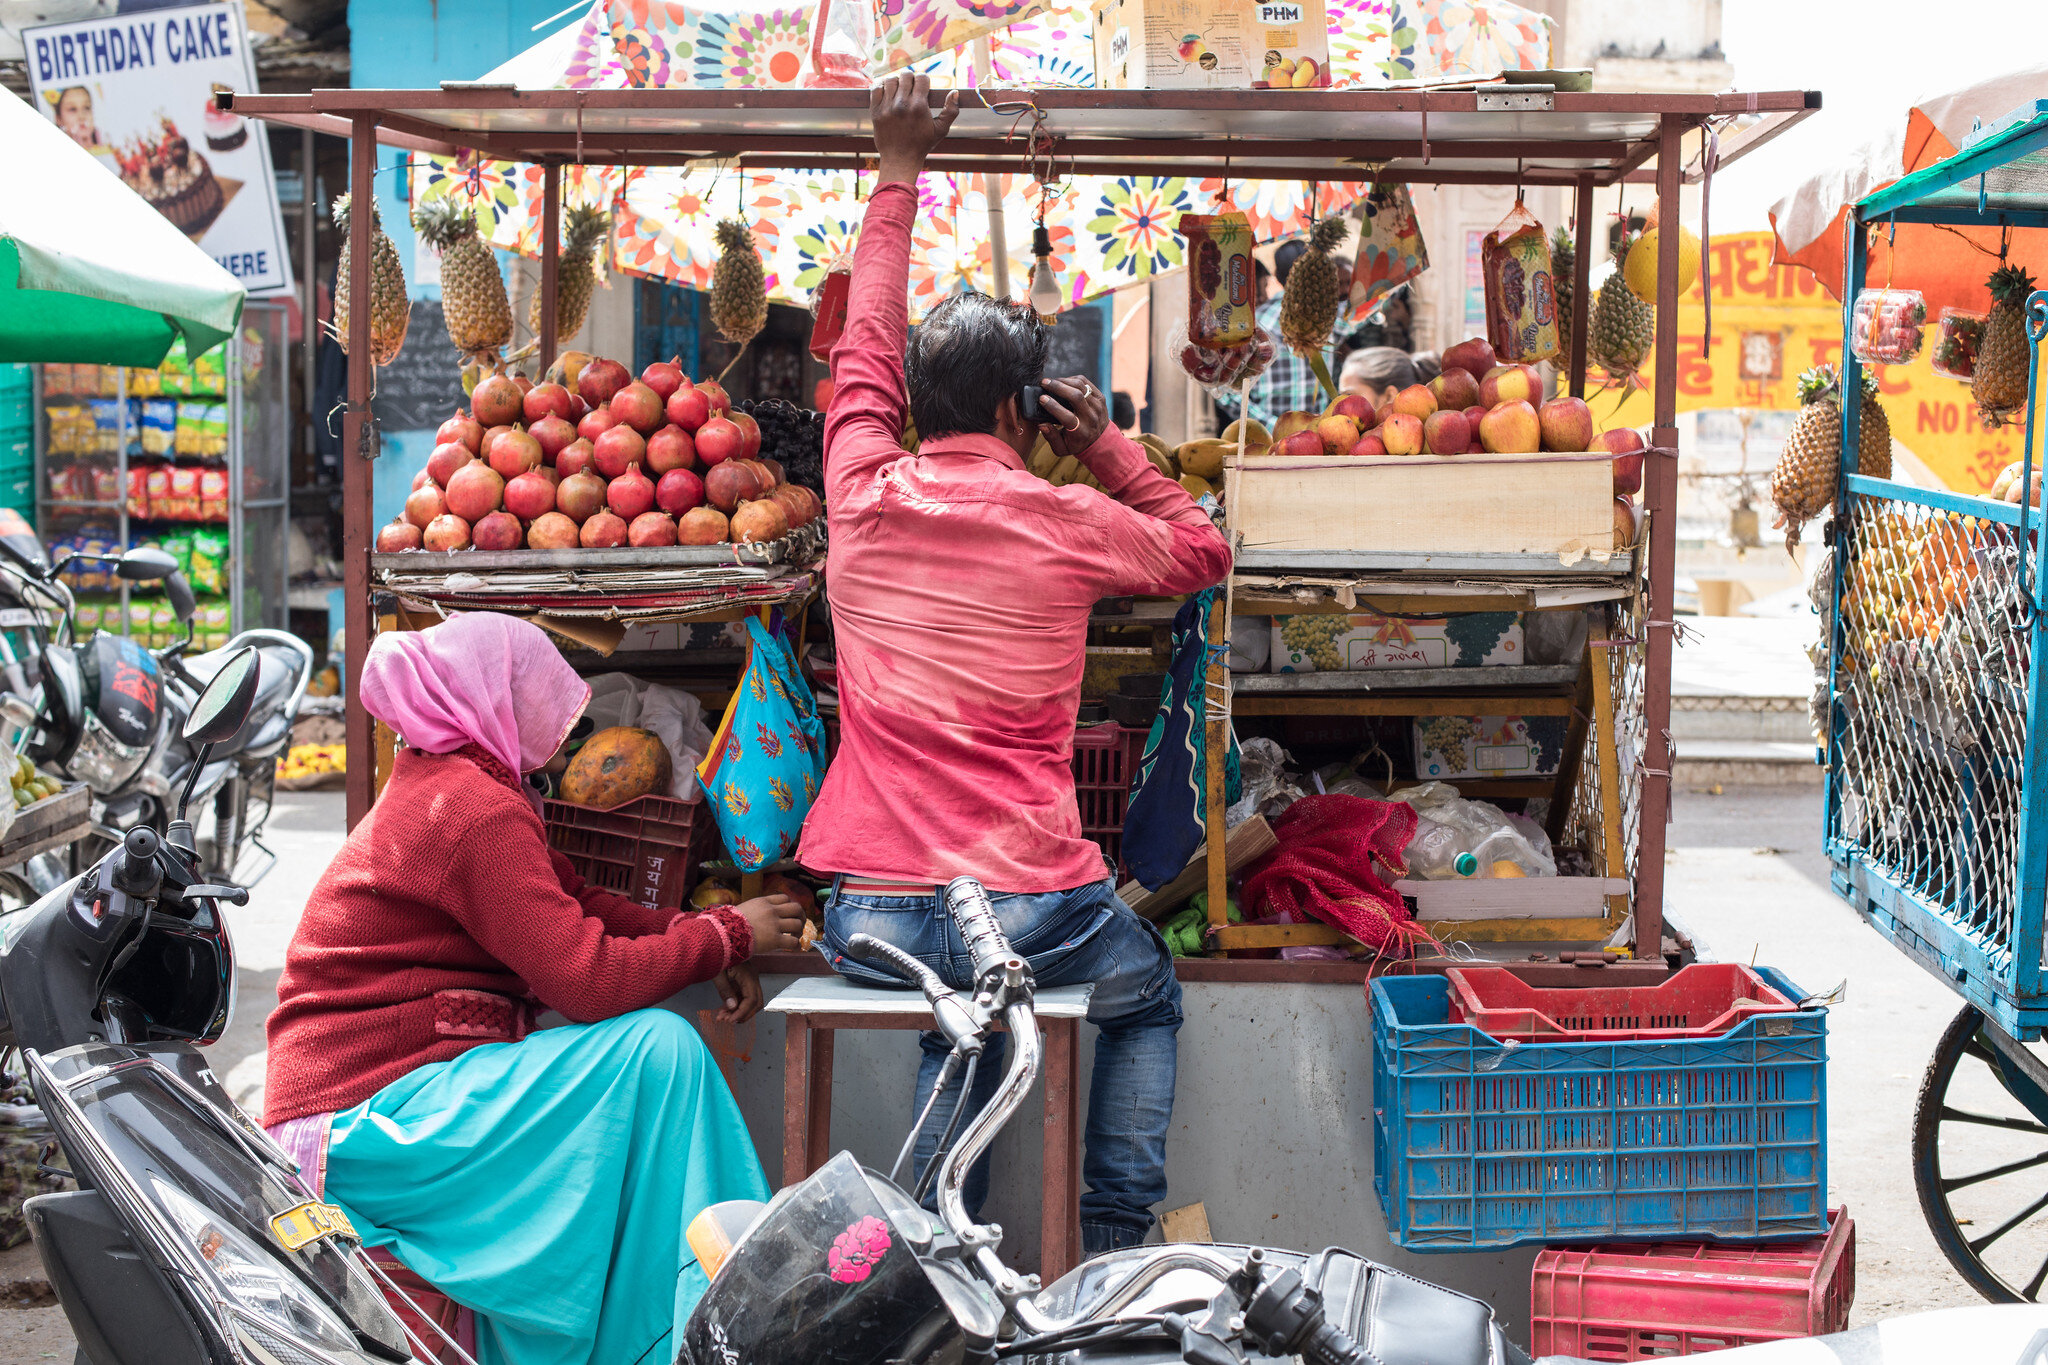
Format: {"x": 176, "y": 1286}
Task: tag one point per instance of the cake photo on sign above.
{"x": 224, "y": 131}
{"x": 174, "y": 178}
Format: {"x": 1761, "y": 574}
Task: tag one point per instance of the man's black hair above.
{"x": 1284, "y": 257}
{"x": 1123, "y": 413}
{"x": 970, "y": 353}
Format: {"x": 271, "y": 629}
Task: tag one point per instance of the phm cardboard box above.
{"x": 1211, "y": 45}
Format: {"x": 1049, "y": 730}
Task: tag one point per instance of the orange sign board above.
{"x": 1771, "y": 323}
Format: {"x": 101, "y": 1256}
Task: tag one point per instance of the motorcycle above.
{"x": 108, "y": 713}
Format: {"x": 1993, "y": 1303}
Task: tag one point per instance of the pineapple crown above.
{"x": 1561, "y": 243}
{"x": 1329, "y": 234}
{"x": 341, "y": 213}
{"x": 443, "y": 222}
{"x": 734, "y": 235}
{"x": 586, "y": 223}
{"x": 2011, "y": 284}
{"x": 1822, "y": 384}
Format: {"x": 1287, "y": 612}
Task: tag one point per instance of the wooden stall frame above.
{"x": 1488, "y": 134}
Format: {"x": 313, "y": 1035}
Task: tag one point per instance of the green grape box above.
{"x": 1337, "y": 643}
{"x": 1448, "y": 748}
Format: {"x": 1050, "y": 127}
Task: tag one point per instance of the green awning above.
{"x": 89, "y": 272}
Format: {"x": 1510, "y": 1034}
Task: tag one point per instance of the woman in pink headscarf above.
{"x": 541, "y": 1177}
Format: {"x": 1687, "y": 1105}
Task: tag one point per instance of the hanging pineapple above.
{"x": 390, "y": 309}
{"x": 1803, "y": 483}
{"x": 1622, "y": 327}
{"x": 2000, "y": 382}
{"x": 739, "y": 292}
{"x": 1311, "y": 298}
{"x": 473, "y": 301}
{"x": 575, "y": 273}
{"x": 1564, "y": 280}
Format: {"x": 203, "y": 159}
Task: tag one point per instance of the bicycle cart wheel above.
{"x": 1980, "y": 1159}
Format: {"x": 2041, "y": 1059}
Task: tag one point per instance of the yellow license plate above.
{"x": 308, "y": 1223}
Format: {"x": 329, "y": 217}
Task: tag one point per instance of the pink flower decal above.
{"x": 858, "y": 1250}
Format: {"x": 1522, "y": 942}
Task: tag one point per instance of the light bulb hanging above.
{"x": 1045, "y": 294}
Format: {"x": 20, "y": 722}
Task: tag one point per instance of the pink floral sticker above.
{"x": 858, "y": 1250}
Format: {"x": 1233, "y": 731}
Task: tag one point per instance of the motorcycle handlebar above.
{"x": 987, "y": 947}
{"x": 954, "y": 1020}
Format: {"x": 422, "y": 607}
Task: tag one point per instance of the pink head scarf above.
{"x": 480, "y": 678}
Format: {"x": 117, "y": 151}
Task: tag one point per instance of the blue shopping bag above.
{"x": 767, "y": 756}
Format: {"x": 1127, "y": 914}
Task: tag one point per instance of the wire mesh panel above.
{"x": 1620, "y": 637}
{"x": 1930, "y": 738}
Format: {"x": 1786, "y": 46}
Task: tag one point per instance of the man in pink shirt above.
{"x": 960, "y": 586}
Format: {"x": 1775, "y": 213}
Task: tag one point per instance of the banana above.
{"x": 1163, "y": 461}
{"x": 1042, "y": 460}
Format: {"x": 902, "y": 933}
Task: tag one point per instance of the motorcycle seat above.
{"x": 276, "y": 675}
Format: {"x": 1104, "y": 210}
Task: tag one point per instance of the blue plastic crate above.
{"x": 1479, "y": 1144}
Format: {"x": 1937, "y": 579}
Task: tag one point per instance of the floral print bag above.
{"x": 767, "y": 756}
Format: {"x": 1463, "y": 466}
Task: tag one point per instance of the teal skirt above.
{"x": 546, "y": 1184}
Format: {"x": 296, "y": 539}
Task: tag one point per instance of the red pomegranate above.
{"x": 664, "y": 377}
{"x": 792, "y": 504}
{"x": 718, "y": 439}
{"x": 604, "y": 531}
{"x": 423, "y": 504}
{"x": 448, "y": 457}
{"x": 670, "y": 448}
{"x": 599, "y": 380}
{"x": 545, "y": 400}
{"x": 447, "y": 532}
{"x": 398, "y": 535}
{"x": 554, "y": 434}
{"x": 678, "y": 491}
{"x": 580, "y": 497}
{"x": 515, "y": 453}
{"x": 497, "y": 401}
{"x": 689, "y": 407}
{"x": 763, "y": 476}
{"x": 775, "y": 469}
{"x": 490, "y": 439}
{"x": 551, "y": 531}
{"x": 651, "y": 530}
{"x": 630, "y": 494}
{"x": 728, "y": 485}
{"x": 421, "y": 478}
{"x": 461, "y": 428}
{"x": 616, "y": 449}
{"x": 577, "y": 407}
{"x": 498, "y": 531}
{"x": 715, "y": 393}
{"x": 595, "y": 423}
{"x": 551, "y": 474}
{"x": 525, "y": 385}
{"x": 637, "y": 406}
{"x": 531, "y": 495}
{"x": 761, "y": 519}
{"x": 750, "y": 430}
{"x": 476, "y": 491}
{"x": 574, "y": 457}
{"x": 701, "y": 526}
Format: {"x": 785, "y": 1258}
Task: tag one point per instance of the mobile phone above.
{"x": 1028, "y": 406}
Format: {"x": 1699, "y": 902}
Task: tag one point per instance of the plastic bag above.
{"x": 1521, "y": 299}
{"x": 1955, "y": 354}
{"x": 1251, "y": 644}
{"x": 842, "y": 43}
{"x": 1456, "y": 838}
{"x": 1230, "y": 367}
{"x": 828, "y": 308}
{"x": 1390, "y": 246}
{"x": 1268, "y": 790}
{"x": 767, "y": 759}
{"x": 1886, "y": 326}
{"x": 677, "y": 718}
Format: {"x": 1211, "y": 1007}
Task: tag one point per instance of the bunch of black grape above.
{"x": 794, "y": 437}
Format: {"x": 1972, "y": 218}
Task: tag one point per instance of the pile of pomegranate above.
{"x": 592, "y": 457}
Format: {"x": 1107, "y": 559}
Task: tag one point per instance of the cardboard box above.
{"x": 1451, "y": 747}
{"x": 1366, "y": 639}
{"x": 1211, "y": 44}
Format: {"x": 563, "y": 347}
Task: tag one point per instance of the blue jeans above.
{"x": 1069, "y": 937}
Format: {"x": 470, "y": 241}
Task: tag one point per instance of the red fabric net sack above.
{"x": 1333, "y": 851}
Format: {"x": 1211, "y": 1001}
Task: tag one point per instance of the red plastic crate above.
{"x": 1105, "y": 766}
{"x": 1700, "y": 1001}
{"x": 1660, "y": 1299}
{"x": 646, "y": 850}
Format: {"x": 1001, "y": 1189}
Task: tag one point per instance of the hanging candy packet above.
{"x": 1220, "y": 278}
{"x": 1521, "y": 298}
{"x": 1885, "y": 326}
{"x": 828, "y": 307}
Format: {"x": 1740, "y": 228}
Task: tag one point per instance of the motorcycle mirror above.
{"x": 183, "y": 603}
{"x": 145, "y": 564}
{"x": 223, "y": 708}
{"x": 18, "y": 542}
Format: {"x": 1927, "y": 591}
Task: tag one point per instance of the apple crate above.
{"x": 1653, "y": 1300}
{"x": 646, "y": 850}
{"x": 1551, "y": 505}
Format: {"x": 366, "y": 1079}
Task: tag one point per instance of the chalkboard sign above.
{"x": 418, "y": 390}
{"x": 1080, "y": 345}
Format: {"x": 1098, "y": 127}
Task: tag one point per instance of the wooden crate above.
{"x": 1561, "y": 505}
{"x": 50, "y": 823}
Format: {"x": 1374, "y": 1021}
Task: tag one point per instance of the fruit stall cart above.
{"x": 1936, "y": 607}
{"x": 1491, "y": 135}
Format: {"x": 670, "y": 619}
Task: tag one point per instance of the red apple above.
{"x": 1626, "y": 445}
{"x": 1511, "y": 429}
{"x": 1302, "y": 445}
{"x": 1511, "y": 384}
{"x": 1567, "y": 424}
{"x": 1455, "y": 389}
{"x": 1338, "y": 434}
{"x": 689, "y": 407}
{"x": 1475, "y": 357}
{"x": 1352, "y": 405}
{"x": 651, "y": 529}
{"x": 678, "y": 491}
{"x": 1402, "y": 434}
{"x": 670, "y": 448}
{"x": 1369, "y": 444}
{"x": 1472, "y": 416}
{"x": 1446, "y": 433}
{"x": 1415, "y": 400}
{"x": 617, "y": 448}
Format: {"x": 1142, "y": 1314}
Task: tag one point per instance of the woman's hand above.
{"x": 777, "y": 921}
{"x": 740, "y": 987}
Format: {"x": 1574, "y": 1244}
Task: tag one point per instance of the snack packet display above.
{"x": 164, "y": 626}
{"x": 140, "y": 610}
{"x": 181, "y": 502}
{"x": 1220, "y": 279}
{"x": 213, "y": 494}
{"x": 1885, "y": 326}
{"x": 209, "y": 561}
{"x": 207, "y": 374}
{"x": 86, "y": 619}
{"x": 1955, "y": 352}
{"x": 159, "y": 426}
{"x": 106, "y": 427}
{"x": 213, "y": 431}
{"x": 156, "y": 485}
{"x": 104, "y": 482}
{"x": 1521, "y": 298}
{"x": 1390, "y": 246}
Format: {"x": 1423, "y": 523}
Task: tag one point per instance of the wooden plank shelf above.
{"x": 1471, "y": 704}
{"x": 1493, "y": 679}
{"x": 1464, "y": 564}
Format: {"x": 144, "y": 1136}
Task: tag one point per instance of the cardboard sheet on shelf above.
{"x": 620, "y": 596}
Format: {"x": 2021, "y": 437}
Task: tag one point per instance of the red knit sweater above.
{"x": 446, "y": 921}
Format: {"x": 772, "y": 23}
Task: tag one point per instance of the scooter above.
{"x": 108, "y": 712}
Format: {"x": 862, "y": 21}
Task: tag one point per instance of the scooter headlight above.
{"x": 257, "y": 1288}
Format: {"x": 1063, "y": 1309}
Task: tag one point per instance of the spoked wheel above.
{"x": 1980, "y": 1159}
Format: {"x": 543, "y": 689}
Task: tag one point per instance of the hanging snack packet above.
{"x": 86, "y": 619}
{"x": 182, "y": 504}
{"x": 156, "y": 486}
{"x": 164, "y": 626}
{"x": 828, "y": 307}
{"x": 209, "y": 561}
{"x": 207, "y": 374}
{"x": 1220, "y": 279}
{"x": 106, "y": 426}
{"x": 1521, "y": 299}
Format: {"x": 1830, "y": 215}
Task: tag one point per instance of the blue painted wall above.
{"x": 411, "y": 45}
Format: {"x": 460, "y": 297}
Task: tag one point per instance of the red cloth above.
{"x": 961, "y": 585}
{"x": 1328, "y": 866}
{"x": 445, "y": 899}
